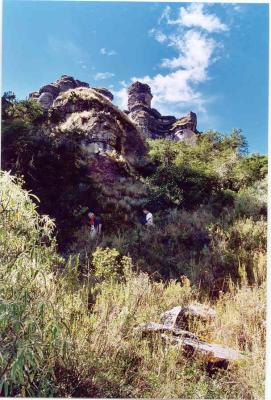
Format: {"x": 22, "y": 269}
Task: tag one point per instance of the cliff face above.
{"x": 113, "y": 141}
{"x": 114, "y": 149}
{"x": 101, "y": 125}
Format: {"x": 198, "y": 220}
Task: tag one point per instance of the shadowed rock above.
{"x": 51, "y": 88}
{"x": 139, "y": 95}
{"x": 45, "y": 100}
{"x": 154, "y": 327}
{"x": 105, "y": 93}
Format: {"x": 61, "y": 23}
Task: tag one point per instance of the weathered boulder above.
{"x": 199, "y": 311}
{"x": 51, "y": 88}
{"x": 154, "y": 327}
{"x": 179, "y": 317}
{"x": 65, "y": 83}
{"x": 209, "y": 352}
{"x": 172, "y": 332}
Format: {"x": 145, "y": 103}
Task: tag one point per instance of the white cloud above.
{"x": 197, "y": 16}
{"x": 191, "y": 37}
{"x": 106, "y": 52}
{"x": 121, "y": 97}
{"x": 195, "y": 53}
{"x": 165, "y": 14}
{"x": 158, "y": 35}
{"x": 103, "y": 75}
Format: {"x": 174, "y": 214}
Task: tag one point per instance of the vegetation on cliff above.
{"x": 69, "y": 305}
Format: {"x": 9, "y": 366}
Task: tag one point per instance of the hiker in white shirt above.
{"x": 149, "y": 217}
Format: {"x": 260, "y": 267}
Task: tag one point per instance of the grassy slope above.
{"x": 71, "y": 333}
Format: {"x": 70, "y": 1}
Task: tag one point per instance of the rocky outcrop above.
{"x": 104, "y": 92}
{"x": 173, "y": 330}
{"x": 152, "y": 123}
{"x": 147, "y": 119}
{"x": 113, "y": 149}
{"x": 101, "y": 125}
{"x": 180, "y": 317}
{"x": 48, "y": 93}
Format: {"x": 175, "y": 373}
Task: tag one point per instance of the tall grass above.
{"x": 67, "y": 328}
{"x": 111, "y": 360}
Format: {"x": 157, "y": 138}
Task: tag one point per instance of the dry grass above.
{"x": 114, "y": 362}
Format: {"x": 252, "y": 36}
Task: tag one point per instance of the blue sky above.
{"x": 208, "y": 58}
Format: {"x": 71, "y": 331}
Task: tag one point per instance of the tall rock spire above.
{"x": 151, "y": 123}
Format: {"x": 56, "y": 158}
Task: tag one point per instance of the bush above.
{"x": 31, "y": 330}
{"x": 210, "y": 171}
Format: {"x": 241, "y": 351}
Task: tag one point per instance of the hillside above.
{"x": 80, "y": 316}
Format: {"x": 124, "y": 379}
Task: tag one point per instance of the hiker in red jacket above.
{"x": 95, "y": 224}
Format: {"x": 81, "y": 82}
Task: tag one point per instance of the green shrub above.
{"x": 32, "y": 334}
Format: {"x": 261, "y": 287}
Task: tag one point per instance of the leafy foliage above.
{"x": 188, "y": 175}
{"x": 30, "y": 328}
{"x": 52, "y": 168}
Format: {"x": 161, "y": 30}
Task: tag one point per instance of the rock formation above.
{"x": 114, "y": 150}
{"x": 75, "y": 107}
{"x": 101, "y": 125}
{"x": 48, "y": 93}
{"x": 152, "y": 123}
{"x": 147, "y": 119}
{"x": 171, "y": 330}
{"x": 181, "y": 316}
{"x": 113, "y": 141}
